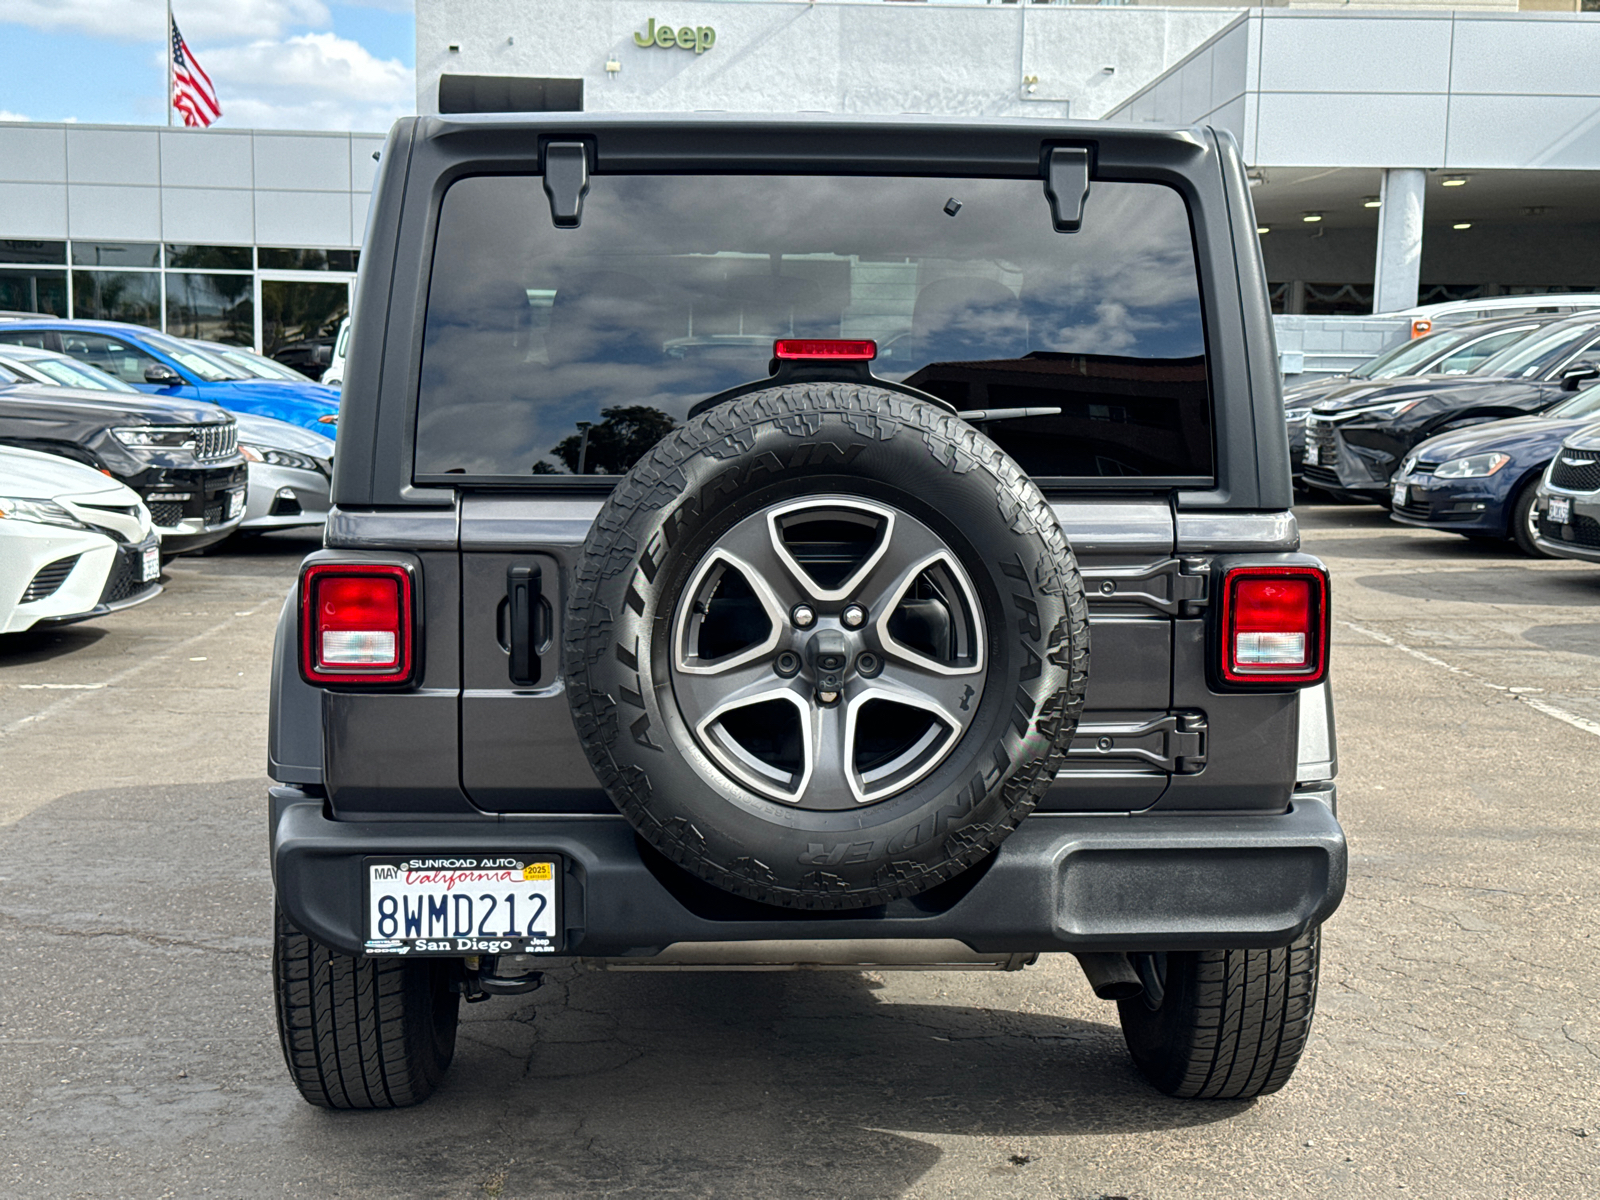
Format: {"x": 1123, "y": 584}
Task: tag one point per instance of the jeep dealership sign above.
{"x": 698, "y": 38}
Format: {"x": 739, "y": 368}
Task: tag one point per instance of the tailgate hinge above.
{"x": 1175, "y": 742}
{"x": 1178, "y": 587}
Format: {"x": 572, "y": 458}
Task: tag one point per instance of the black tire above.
{"x": 1520, "y": 523}
{"x": 1231, "y": 1024}
{"x": 804, "y": 440}
{"x": 361, "y": 1032}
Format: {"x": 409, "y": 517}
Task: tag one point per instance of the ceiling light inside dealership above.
{"x": 1455, "y": 181}
{"x": 1311, "y": 218}
{"x": 1370, "y": 202}
{"x": 1462, "y": 225}
{"x": 1263, "y": 228}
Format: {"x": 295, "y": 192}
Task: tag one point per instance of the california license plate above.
{"x": 235, "y": 504}
{"x": 463, "y": 904}
{"x": 1399, "y": 495}
{"x": 1559, "y": 509}
{"x": 150, "y": 566}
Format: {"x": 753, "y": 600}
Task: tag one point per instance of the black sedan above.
{"x": 181, "y": 456}
{"x": 1357, "y": 438}
{"x": 1454, "y": 350}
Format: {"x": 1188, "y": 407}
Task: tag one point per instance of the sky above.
{"x": 276, "y": 64}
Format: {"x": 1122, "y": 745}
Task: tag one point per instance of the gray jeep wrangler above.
{"x": 805, "y": 542}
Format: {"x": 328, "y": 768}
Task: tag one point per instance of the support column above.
{"x": 1399, "y": 267}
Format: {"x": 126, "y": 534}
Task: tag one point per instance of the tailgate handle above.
{"x": 529, "y": 618}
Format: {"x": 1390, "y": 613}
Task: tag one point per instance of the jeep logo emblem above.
{"x": 698, "y": 38}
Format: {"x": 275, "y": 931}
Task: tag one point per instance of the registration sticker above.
{"x": 1399, "y": 495}
{"x": 463, "y": 904}
{"x": 151, "y": 564}
{"x": 1559, "y": 510}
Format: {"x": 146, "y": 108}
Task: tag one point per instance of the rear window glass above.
{"x": 565, "y": 351}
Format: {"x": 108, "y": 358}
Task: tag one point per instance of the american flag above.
{"x": 192, "y": 93}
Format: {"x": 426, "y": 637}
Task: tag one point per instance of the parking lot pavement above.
{"x": 1456, "y": 1050}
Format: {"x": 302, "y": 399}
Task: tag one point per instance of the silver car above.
{"x": 1568, "y": 504}
{"x": 290, "y": 472}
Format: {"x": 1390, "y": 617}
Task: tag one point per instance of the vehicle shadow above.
{"x": 43, "y": 643}
{"x": 765, "y": 1084}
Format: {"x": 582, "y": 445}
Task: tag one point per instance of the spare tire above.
{"x": 826, "y": 646}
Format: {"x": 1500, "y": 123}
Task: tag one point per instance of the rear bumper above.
{"x": 1059, "y": 883}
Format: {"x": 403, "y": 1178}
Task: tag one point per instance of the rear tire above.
{"x": 1520, "y": 523}
{"x": 1230, "y": 1024}
{"x": 361, "y": 1032}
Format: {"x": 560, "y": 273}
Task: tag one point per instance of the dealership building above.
{"x": 1397, "y": 153}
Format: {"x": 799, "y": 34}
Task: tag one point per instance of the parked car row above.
{"x": 121, "y": 446}
{"x": 1485, "y": 428}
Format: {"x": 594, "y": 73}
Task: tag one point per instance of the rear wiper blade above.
{"x": 977, "y": 415}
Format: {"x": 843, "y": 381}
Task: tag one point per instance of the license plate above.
{"x": 1559, "y": 509}
{"x": 235, "y": 504}
{"x": 1311, "y": 453}
{"x": 1399, "y": 494}
{"x": 463, "y": 904}
{"x": 151, "y": 565}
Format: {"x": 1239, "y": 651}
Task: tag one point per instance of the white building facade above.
{"x": 240, "y": 236}
{"x": 1402, "y": 154}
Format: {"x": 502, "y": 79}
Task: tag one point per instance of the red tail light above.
{"x": 356, "y": 623}
{"x": 834, "y": 349}
{"x": 1275, "y": 625}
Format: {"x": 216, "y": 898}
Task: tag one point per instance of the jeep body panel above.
{"x": 1188, "y": 815}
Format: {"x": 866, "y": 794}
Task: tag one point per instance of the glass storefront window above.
{"x": 22, "y": 290}
{"x": 117, "y": 296}
{"x": 299, "y": 321}
{"x": 14, "y": 250}
{"x": 116, "y": 254}
{"x": 280, "y": 259}
{"x": 209, "y": 258}
{"x": 214, "y": 308}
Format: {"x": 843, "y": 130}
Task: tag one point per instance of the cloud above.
{"x": 11, "y": 116}
{"x": 313, "y": 81}
{"x": 143, "y": 20}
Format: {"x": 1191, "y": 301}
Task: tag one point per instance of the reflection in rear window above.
{"x": 564, "y": 351}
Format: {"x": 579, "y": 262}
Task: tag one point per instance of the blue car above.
{"x": 1480, "y": 481}
{"x": 171, "y": 367}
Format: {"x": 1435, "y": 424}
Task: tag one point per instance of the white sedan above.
{"x": 73, "y": 543}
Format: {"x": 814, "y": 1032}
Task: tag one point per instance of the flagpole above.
{"x": 168, "y": 82}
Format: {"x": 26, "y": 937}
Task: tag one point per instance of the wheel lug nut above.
{"x": 854, "y": 615}
{"x": 788, "y": 664}
{"x": 803, "y": 616}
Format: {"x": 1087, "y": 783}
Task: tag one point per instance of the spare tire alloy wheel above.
{"x": 827, "y": 646}
{"x": 845, "y": 649}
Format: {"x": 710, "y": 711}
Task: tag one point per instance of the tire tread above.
{"x": 350, "y": 1027}
{"x": 1233, "y": 1026}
